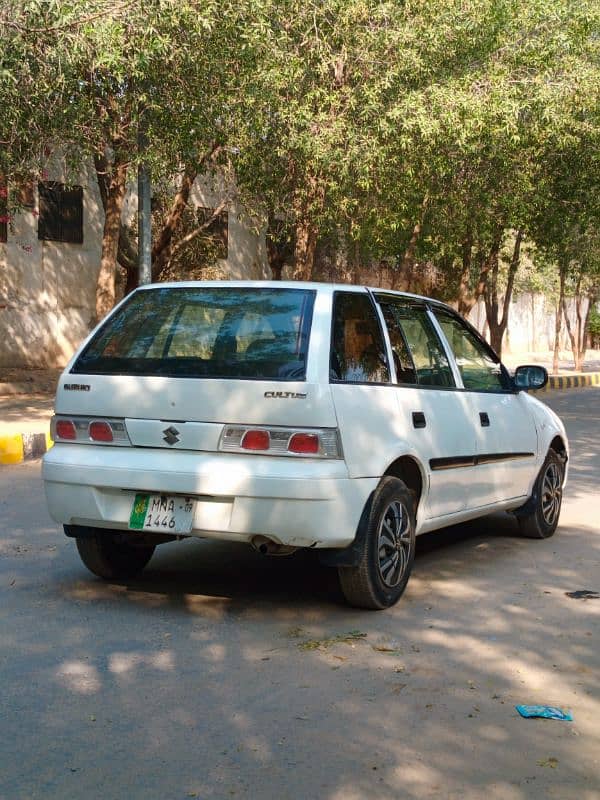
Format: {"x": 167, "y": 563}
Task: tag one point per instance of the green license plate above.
{"x": 162, "y": 513}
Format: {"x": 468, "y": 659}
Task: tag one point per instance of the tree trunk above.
{"x": 307, "y": 208}
{"x": 115, "y": 194}
{"x": 498, "y": 325}
{"x": 279, "y": 246}
{"x": 304, "y": 249}
{"x": 408, "y": 259}
{"x": 578, "y": 337}
{"x": 126, "y": 252}
{"x": 562, "y": 274}
{"x": 466, "y": 300}
{"x": 592, "y": 299}
{"x": 570, "y": 331}
{"x": 163, "y": 245}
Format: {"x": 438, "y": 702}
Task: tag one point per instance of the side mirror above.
{"x": 530, "y": 376}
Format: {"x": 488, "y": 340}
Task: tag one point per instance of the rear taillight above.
{"x": 256, "y": 440}
{"x": 65, "y": 429}
{"x": 100, "y": 431}
{"x": 304, "y": 443}
{"x": 86, "y": 430}
{"x": 272, "y": 441}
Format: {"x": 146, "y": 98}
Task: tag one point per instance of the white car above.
{"x": 292, "y": 415}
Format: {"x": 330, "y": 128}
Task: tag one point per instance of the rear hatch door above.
{"x": 179, "y": 362}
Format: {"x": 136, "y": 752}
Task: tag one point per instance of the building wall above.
{"x": 47, "y": 289}
{"x": 531, "y": 323}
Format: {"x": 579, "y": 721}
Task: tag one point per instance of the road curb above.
{"x": 18, "y": 447}
{"x": 582, "y": 379}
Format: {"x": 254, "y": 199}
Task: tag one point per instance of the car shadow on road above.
{"x": 189, "y": 575}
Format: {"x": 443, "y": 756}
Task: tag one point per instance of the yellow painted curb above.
{"x": 18, "y": 447}
{"x": 572, "y": 381}
{"x": 11, "y": 449}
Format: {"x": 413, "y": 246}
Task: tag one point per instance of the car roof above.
{"x": 323, "y": 288}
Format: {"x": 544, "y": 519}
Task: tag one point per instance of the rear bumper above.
{"x": 297, "y": 502}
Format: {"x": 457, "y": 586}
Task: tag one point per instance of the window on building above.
{"x": 217, "y": 230}
{"x": 61, "y": 213}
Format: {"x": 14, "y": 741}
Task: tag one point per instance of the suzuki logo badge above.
{"x": 171, "y": 435}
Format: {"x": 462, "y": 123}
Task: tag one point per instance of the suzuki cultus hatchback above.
{"x": 291, "y": 415}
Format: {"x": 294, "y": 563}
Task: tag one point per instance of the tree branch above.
{"x": 189, "y": 237}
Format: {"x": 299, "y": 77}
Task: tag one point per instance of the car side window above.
{"x": 479, "y": 371}
{"x": 357, "y": 348}
{"x": 418, "y": 352}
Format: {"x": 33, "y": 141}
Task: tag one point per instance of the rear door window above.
{"x": 205, "y": 333}
{"x": 357, "y": 348}
{"x": 418, "y": 352}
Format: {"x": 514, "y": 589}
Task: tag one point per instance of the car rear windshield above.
{"x": 205, "y": 333}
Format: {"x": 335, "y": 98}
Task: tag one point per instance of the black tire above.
{"x": 108, "y": 555}
{"x": 387, "y": 541}
{"x": 543, "y": 511}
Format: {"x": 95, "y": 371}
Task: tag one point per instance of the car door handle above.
{"x": 485, "y": 420}
{"x": 419, "y": 420}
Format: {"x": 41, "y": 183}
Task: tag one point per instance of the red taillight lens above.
{"x": 65, "y": 429}
{"x": 304, "y": 443}
{"x": 100, "y": 432}
{"x": 256, "y": 440}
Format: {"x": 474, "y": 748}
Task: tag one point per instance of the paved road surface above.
{"x": 205, "y": 679}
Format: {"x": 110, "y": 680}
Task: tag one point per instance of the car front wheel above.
{"x": 387, "y": 549}
{"x": 541, "y": 519}
{"x": 108, "y": 554}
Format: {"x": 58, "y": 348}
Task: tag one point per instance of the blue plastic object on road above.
{"x": 546, "y": 712}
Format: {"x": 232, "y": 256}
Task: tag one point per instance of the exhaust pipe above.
{"x": 267, "y": 547}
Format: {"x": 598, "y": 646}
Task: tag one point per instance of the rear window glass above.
{"x": 205, "y": 333}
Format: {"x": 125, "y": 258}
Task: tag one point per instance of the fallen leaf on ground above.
{"x": 384, "y": 648}
{"x": 548, "y": 762}
{"x": 323, "y": 644}
{"x": 295, "y": 633}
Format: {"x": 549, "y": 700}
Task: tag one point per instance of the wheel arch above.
{"x": 558, "y": 445}
{"x": 411, "y": 472}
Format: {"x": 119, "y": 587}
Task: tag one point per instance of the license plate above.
{"x": 162, "y": 513}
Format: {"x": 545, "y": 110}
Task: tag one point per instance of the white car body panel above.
{"x": 511, "y": 429}
{"x": 373, "y": 441}
{"x": 296, "y": 501}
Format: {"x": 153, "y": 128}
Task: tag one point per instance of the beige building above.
{"x": 50, "y": 257}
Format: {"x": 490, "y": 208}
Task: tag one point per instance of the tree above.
{"x": 179, "y": 65}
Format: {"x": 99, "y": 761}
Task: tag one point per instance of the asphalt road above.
{"x": 222, "y": 674}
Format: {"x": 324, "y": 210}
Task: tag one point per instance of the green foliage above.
{"x": 360, "y": 118}
{"x": 595, "y": 322}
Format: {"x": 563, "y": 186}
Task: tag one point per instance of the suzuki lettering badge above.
{"x": 171, "y": 435}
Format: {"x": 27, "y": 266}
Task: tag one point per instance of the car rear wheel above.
{"x": 109, "y": 555}
{"x": 387, "y": 537}
{"x": 541, "y": 519}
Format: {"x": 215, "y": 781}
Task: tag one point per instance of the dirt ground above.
{"x": 222, "y": 674}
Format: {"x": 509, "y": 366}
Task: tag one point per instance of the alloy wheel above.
{"x": 393, "y": 543}
{"x": 551, "y": 494}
